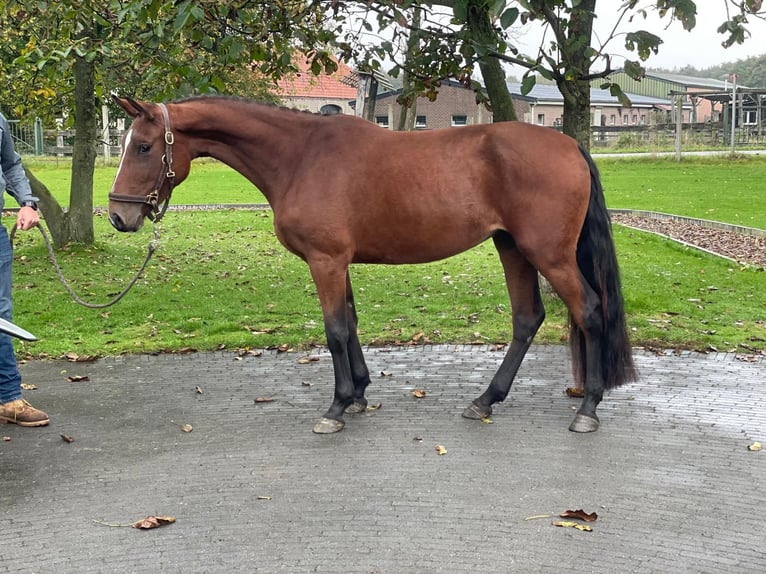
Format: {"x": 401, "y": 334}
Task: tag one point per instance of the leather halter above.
{"x": 153, "y": 198}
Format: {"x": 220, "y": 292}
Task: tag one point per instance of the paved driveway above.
{"x": 253, "y": 490}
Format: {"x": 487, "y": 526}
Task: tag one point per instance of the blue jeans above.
{"x": 10, "y": 378}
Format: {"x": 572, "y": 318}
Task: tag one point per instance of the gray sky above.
{"x": 700, "y": 48}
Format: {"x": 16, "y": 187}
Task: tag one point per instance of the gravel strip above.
{"x": 745, "y": 249}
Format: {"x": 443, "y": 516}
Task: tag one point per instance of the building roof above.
{"x": 305, "y": 84}
{"x": 689, "y": 81}
{"x": 549, "y": 93}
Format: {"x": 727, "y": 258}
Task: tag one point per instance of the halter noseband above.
{"x": 153, "y": 198}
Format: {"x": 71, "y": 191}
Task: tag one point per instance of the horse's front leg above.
{"x": 360, "y": 374}
{"x": 331, "y": 282}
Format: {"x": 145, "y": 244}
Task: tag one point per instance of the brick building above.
{"x": 455, "y": 106}
{"x": 325, "y": 93}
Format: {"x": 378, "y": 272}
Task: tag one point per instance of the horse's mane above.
{"x": 247, "y": 101}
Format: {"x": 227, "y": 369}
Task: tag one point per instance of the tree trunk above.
{"x": 50, "y": 210}
{"x": 409, "y": 105}
{"x": 484, "y": 34}
{"x": 577, "y": 121}
{"x": 80, "y": 216}
{"x": 576, "y": 92}
{"x": 76, "y": 224}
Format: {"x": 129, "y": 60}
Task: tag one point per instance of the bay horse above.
{"x": 344, "y": 191}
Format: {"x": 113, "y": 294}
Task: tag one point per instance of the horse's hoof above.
{"x": 476, "y": 413}
{"x": 358, "y": 406}
{"x": 582, "y": 423}
{"x": 328, "y": 426}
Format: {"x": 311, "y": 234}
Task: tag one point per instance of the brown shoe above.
{"x": 21, "y": 413}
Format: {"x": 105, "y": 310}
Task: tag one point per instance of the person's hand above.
{"x": 27, "y": 218}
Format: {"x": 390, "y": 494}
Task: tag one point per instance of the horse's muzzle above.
{"x": 121, "y": 225}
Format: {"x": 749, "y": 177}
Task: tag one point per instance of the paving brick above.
{"x": 254, "y": 490}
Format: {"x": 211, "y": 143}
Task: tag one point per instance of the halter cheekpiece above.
{"x": 153, "y": 198}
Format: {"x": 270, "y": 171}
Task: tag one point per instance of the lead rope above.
{"x": 152, "y": 247}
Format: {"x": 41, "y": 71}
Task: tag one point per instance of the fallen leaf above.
{"x": 283, "y": 348}
{"x": 576, "y": 525}
{"x": 66, "y": 438}
{"x": 574, "y": 392}
{"x": 418, "y": 393}
{"x": 487, "y": 421}
{"x": 580, "y": 515}
{"x": 78, "y": 378}
{"x": 259, "y": 400}
{"x": 248, "y": 353}
{"x": 187, "y": 428}
{"x": 440, "y": 449}
{"x": 28, "y": 387}
{"x": 756, "y": 446}
{"x": 307, "y": 384}
{"x": 153, "y": 522}
{"x": 385, "y": 373}
{"x": 307, "y": 360}
{"x": 538, "y": 516}
{"x": 373, "y": 407}
{"x": 198, "y": 390}
{"x": 6, "y": 439}
{"x": 75, "y": 358}
{"x": 261, "y": 497}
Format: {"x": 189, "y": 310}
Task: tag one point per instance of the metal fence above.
{"x": 32, "y": 138}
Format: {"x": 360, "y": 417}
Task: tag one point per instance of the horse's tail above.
{"x": 597, "y": 260}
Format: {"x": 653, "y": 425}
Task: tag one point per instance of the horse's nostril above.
{"x": 116, "y": 222}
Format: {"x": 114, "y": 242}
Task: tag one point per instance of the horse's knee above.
{"x": 337, "y": 337}
{"x": 526, "y": 325}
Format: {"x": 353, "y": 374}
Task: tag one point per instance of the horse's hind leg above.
{"x": 588, "y": 326}
{"x": 359, "y": 371}
{"x": 528, "y": 315}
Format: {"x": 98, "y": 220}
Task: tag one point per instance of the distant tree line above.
{"x": 751, "y": 71}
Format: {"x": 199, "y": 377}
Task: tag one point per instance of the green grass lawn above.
{"x": 222, "y": 280}
{"x": 717, "y": 188}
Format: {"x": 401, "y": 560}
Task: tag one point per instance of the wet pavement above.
{"x": 253, "y": 490}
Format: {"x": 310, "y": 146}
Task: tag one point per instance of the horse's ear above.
{"x": 132, "y": 107}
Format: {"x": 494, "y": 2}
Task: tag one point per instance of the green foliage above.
{"x": 156, "y": 49}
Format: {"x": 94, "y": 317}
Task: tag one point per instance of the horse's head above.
{"x": 151, "y": 164}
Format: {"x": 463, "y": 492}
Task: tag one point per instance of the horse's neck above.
{"x": 259, "y": 141}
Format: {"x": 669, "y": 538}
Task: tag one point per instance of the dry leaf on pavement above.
{"x": 440, "y": 449}
{"x": 571, "y": 524}
{"x": 580, "y": 515}
{"x": 755, "y": 446}
{"x": 419, "y": 393}
{"x": 153, "y": 522}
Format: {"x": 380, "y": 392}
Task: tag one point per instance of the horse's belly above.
{"x": 417, "y": 245}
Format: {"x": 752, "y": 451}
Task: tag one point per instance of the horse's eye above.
{"x": 144, "y": 148}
